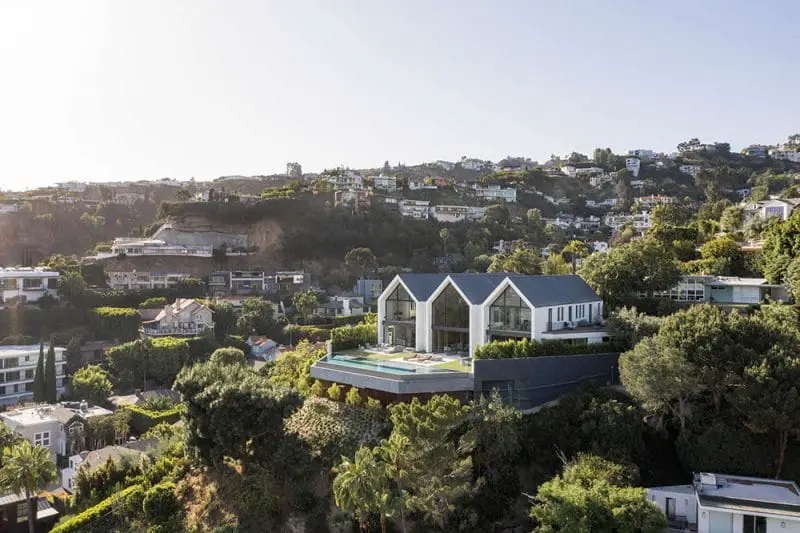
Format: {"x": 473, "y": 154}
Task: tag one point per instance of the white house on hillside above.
{"x": 28, "y": 284}
{"x": 385, "y": 183}
{"x": 495, "y": 192}
{"x": 720, "y": 503}
{"x": 19, "y": 366}
{"x": 184, "y": 317}
{"x": 633, "y": 164}
{"x": 459, "y": 312}
{"x": 415, "y": 208}
{"x": 771, "y": 208}
{"x": 456, "y": 213}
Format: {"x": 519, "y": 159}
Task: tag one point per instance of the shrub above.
{"x": 317, "y": 389}
{"x": 294, "y": 333}
{"x": 335, "y": 392}
{"x": 201, "y": 348}
{"x": 236, "y": 341}
{"x": 228, "y": 356}
{"x": 353, "y": 397}
{"x": 143, "y": 419}
{"x": 156, "y": 302}
{"x": 347, "y": 337}
{"x": 17, "y": 339}
{"x": 120, "y": 323}
{"x": 90, "y": 520}
{"x": 102, "y": 248}
{"x": 529, "y": 348}
{"x": 374, "y": 405}
{"x": 161, "y": 505}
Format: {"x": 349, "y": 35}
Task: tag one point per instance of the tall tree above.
{"x": 90, "y": 383}
{"x": 361, "y": 259}
{"x": 520, "y": 261}
{"x": 393, "y": 452}
{"x": 27, "y": 469}
{"x": 361, "y": 487}
{"x": 38, "y": 377}
{"x": 304, "y": 303}
{"x": 50, "y": 392}
{"x": 574, "y": 250}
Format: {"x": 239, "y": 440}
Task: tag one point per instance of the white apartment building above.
{"x": 633, "y": 164}
{"x": 28, "y": 284}
{"x": 722, "y": 503}
{"x": 473, "y": 164}
{"x": 17, "y": 369}
{"x": 61, "y": 428}
{"x": 496, "y": 192}
{"x": 415, "y": 208}
{"x": 346, "y": 180}
{"x": 144, "y": 280}
{"x": 692, "y": 170}
{"x": 148, "y": 247}
{"x": 642, "y": 154}
{"x": 418, "y": 185}
{"x": 459, "y": 312}
{"x": 457, "y": 213}
{"x": 654, "y": 200}
{"x": 640, "y": 221}
{"x": 599, "y": 179}
{"x": 785, "y": 155}
{"x": 385, "y": 183}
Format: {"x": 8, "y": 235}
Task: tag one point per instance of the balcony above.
{"x": 191, "y": 331}
{"x": 574, "y": 330}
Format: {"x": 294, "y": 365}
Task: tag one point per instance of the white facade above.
{"x": 654, "y": 200}
{"x": 184, "y": 317}
{"x": 577, "y": 319}
{"x": 639, "y": 221}
{"x": 385, "y": 183}
{"x": 770, "y": 208}
{"x": 600, "y": 246}
{"x": 495, "y": 192}
{"x": 642, "y": 153}
{"x": 456, "y": 213}
{"x": 473, "y": 164}
{"x": 147, "y": 247}
{"x": 633, "y": 164}
{"x": 786, "y": 155}
{"x": 719, "y": 503}
{"x": 415, "y": 208}
{"x": 346, "y": 180}
{"x": 444, "y": 165}
{"x": 599, "y": 179}
{"x": 28, "y": 284}
{"x": 341, "y": 306}
{"x": 144, "y": 280}
{"x": 18, "y": 367}
{"x": 690, "y": 169}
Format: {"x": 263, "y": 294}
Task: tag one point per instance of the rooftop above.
{"x": 61, "y": 412}
{"x": 723, "y": 490}
{"x": 26, "y": 349}
{"x": 30, "y": 272}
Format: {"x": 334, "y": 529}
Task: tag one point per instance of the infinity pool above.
{"x": 376, "y": 365}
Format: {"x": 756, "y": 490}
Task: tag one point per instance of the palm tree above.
{"x": 27, "y": 469}
{"x": 393, "y": 452}
{"x": 575, "y": 249}
{"x": 360, "y": 487}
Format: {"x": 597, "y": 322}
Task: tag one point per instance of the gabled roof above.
{"x": 546, "y": 291}
{"x": 422, "y": 286}
{"x": 478, "y": 287}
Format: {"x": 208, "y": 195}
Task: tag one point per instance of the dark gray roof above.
{"x": 546, "y": 291}
{"x": 422, "y": 285}
{"x": 541, "y": 291}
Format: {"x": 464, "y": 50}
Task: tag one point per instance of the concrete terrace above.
{"x": 411, "y": 357}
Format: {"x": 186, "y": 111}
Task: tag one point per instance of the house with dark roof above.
{"x": 14, "y": 514}
{"x": 445, "y": 313}
{"x": 729, "y": 503}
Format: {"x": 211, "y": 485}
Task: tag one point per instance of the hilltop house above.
{"x": 385, "y": 183}
{"x": 459, "y": 312}
{"x": 771, "y": 208}
{"x": 19, "y": 366}
{"x": 61, "y": 428}
{"x": 456, "y": 213}
{"x": 495, "y": 192}
{"x": 633, "y": 164}
{"x": 355, "y": 198}
{"x": 144, "y": 280}
{"x": 92, "y": 460}
{"x": 415, "y": 208}
{"x": 341, "y": 306}
{"x": 720, "y": 503}
{"x": 185, "y": 317}
{"x": 28, "y": 284}
{"x": 149, "y": 247}
{"x": 724, "y": 290}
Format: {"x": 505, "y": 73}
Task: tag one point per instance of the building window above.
{"x": 31, "y": 283}
{"x": 508, "y": 312}
{"x": 559, "y": 314}
{"x": 11, "y": 362}
{"x": 8, "y": 284}
{"x": 12, "y": 376}
{"x": 400, "y": 306}
{"x": 754, "y": 524}
{"x": 22, "y": 512}
{"x": 75, "y": 428}
{"x": 29, "y": 374}
{"x": 41, "y": 439}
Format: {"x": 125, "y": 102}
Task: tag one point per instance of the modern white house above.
{"x": 415, "y": 208}
{"x": 385, "y": 183}
{"x": 633, "y": 164}
{"x": 456, "y": 213}
{"x": 144, "y": 280}
{"x": 61, "y": 427}
{"x": 640, "y": 221}
{"x": 459, "y": 312}
{"x": 690, "y": 169}
{"x": 724, "y": 290}
{"x": 496, "y": 192}
{"x": 642, "y": 153}
{"x": 28, "y": 284}
{"x": 722, "y": 503}
{"x": 184, "y": 317}
{"x": 785, "y": 155}
{"x": 17, "y": 369}
{"x": 773, "y": 207}
{"x": 147, "y": 247}
{"x": 653, "y": 200}
{"x": 341, "y": 306}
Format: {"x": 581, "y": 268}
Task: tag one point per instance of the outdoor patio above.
{"x": 409, "y": 356}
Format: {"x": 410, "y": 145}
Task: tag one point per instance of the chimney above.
{"x": 84, "y": 406}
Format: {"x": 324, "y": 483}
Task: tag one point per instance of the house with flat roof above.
{"x": 28, "y": 284}
{"x": 723, "y": 503}
{"x": 17, "y": 368}
{"x": 724, "y": 290}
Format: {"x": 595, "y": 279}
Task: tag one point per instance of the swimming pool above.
{"x": 387, "y": 367}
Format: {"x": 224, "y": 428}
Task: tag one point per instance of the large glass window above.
{"x": 31, "y": 283}
{"x": 754, "y": 524}
{"x": 450, "y": 310}
{"x": 8, "y": 284}
{"x": 508, "y": 312}
{"x": 400, "y": 306}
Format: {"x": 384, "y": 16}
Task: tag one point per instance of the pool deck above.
{"x": 449, "y": 362}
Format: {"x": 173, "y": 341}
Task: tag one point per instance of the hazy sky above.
{"x": 113, "y": 90}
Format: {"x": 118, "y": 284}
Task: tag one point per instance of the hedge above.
{"x": 156, "y": 302}
{"x": 116, "y": 323}
{"x": 529, "y": 348}
{"x": 37, "y": 322}
{"x": 143, "y": 419}
{"x": 347, "y": 337}
{"x": 294, "y": 333}
{"x": 83, "y": 522}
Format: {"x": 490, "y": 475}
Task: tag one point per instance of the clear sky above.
{"x": 114, "y": 90}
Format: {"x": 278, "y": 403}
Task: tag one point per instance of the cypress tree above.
{"x": 38, "y": 377}
{"x": 50, "y": 395}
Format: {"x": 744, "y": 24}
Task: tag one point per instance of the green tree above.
{"x": 444, "y": 236}
{"x": 257, "y": 316}
{"x": 72, "y": 287}
{"x": 91, "y": 383}
{"x": 723, "y": 256}
{"x": 50, "y": 391}
{"x": 628, "y": 326}
{"x": 792, "y": 279}
{"x": 643, "y": 266}
{"x": 304, "y": 303}
{"x": 292, "y": 369}
{"x": 224, "y": 320}
{"x": 228, "y": 356}
{"x": 781, "y": 245}
{"x": 574, "y": 250}
{"x": 182, "y": 195}
{"x": 38, "y": 377}
{"x": 520, "y": 261}
{"x": 555, "y": 265}
{"x": 594, "y": 495}
{"x": 732, "y": 218}
{"x": 361, "y": 259}
{"x": 393, "y": 452}
{"x": 26, "y": 470}
{"x": 360, "y": 487}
